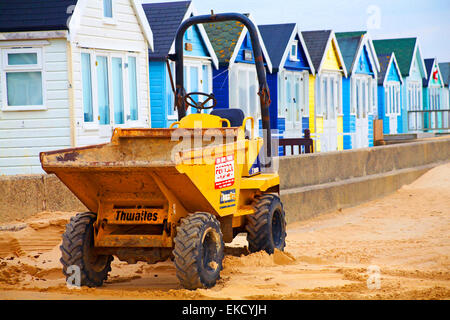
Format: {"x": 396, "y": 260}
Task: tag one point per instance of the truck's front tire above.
{"x": 266, "y": 228}
{"x": 77, "y": 250}
{"x": 199, "y": 251}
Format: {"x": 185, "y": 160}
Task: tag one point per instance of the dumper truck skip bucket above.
{"x": 142, "y": 167}
{"x": 178, "y": 192}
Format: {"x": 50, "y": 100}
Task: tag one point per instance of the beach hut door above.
{"x": 329, "y": 98}
{"x": 294, "y": 99}
{"x": 362, "y": 109}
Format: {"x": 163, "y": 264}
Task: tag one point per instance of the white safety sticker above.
{"x": 224, "y": 172}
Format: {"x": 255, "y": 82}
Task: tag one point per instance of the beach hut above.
{"x": 445, "y": 72}
{"x": 70, "y": 72}
{"x": 326, "y": 114}
{"x": 359, "y": 89}
{"x": 433, "y": 88}
{"x": 234, "y": 83}
{"x": 412, "y": 67}
{"x": 389, "y": 93}
{"x": 289, "y": 82}
{"x": 199, "y": 58}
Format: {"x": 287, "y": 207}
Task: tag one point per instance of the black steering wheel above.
{"x": 200, "y": 105}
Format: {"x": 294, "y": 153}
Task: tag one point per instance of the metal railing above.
{"x": 305, "y": 145}
{"x": 429, "y": 120}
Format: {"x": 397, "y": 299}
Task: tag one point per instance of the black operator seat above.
{"x": 235, "y": 116}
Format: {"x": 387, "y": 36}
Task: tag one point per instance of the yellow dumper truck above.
{"x": 178, "y": 193}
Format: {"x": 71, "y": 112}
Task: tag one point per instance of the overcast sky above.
{"x": 429, "y": 20}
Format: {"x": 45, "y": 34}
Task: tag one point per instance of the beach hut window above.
{"x": 103, "y": 89}
{"x": 23, "y": 74}
{"x": 110, "y": 92}
{"x": 132, "y": 84}
{"x": 107, "y": 8}
{"x": 294, "y": 50}
{"x": 117, "y": 83}
{"x": 86, "y": 78}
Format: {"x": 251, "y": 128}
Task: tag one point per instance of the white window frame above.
{"x": 108, "y": 20}
{"x": 291, "y": 56}
{"x": 38, "y": 67}
{"x": 95, "y": 125}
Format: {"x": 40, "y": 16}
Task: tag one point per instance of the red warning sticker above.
{"x": 224, "y": 172}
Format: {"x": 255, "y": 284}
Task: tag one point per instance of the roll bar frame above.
{"x": 264, "y": 93}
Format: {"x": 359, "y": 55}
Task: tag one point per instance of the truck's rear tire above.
{"x": 199, "y": 251}
{"x": 77, "y": 250}
{"x": 266, "y": 228}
